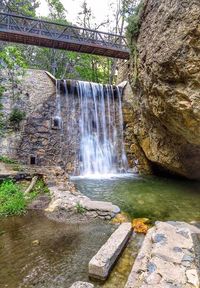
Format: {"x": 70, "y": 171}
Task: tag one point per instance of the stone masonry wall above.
{"x": 34, "y": 88}
{"x": 37, "y": 138}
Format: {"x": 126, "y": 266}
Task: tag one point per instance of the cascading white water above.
{"x": 101, "y": 130}
{"x": 57, "y": 116}
{"x": 93, "y": 127}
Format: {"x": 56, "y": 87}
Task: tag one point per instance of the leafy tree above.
{"x": 62, "y": 64}
{"x": 24, "y": 7}
{"x": 134, "y": 24}
{"x": 57, "y": 10}
{"x": 13, "y": 64}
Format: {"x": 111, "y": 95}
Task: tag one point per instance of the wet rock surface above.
{"x": 81, "y": 284}
{"x": 67, "y": 203}
{"x": 40, "y": 203}
{"x": 167, "y": 258}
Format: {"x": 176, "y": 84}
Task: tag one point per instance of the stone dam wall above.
{"x": 38, "y": 140}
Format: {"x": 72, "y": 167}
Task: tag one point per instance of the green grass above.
{"x": 12, "y": 201}
{"x": 39, "y": 188}
{"x": 7, "y": 160}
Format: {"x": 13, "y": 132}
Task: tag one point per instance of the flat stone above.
{"x": 172, "y": 236}
{"x": 80, "y": 284}
{"x": 169, "y": 271}
{"x": 179, "y": 224}
{"x": 101, "y": 264}
{"x": 166, "y": 258}
{"x": 100, "y": 205}
{"x": 141, "y": 262}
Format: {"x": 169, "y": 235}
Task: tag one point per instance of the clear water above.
{"x": 151, "y": 197}
{"x": 65, "y": 250}
{"x": 61, "y": 257}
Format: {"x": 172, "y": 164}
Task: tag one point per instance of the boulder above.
{"x": 166, "y": 258}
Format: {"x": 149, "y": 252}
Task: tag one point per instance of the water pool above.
{"x": 151, "y": 197}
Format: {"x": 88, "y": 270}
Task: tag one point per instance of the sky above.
{"x": 100, "y": 9}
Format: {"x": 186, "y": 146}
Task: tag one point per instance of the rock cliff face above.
{"x": 166, "y": 100}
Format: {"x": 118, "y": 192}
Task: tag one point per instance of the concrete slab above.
{"x": 101, "y": 264}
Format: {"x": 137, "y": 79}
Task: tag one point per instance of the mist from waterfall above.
{"x": 95, "y": 126}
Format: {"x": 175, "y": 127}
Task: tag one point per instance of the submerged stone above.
{"x": 80, "y": 284}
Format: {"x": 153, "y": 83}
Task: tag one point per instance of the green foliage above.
{"x": 24, "y": 7}
{"x": 16, "y": 116}
{"x": 7, "y": 160}
{"x": 12, "y": 198}
{"x": 12, "y": 63}
{"x": 12, "y": 201}
{"x": 132, "y": 32}
{"x": 57, "y": 10}
{"x": 80, "y": 209}
{"x": 2, "y": 122}
{"x": 133, "y": 27}
{"x": 12, "y": 58}
{"x": 39, "y": 188}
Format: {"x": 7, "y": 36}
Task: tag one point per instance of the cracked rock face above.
{"x": 167, "y": 103}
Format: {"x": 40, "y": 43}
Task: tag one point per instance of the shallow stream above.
{"x": 62, "y": 252}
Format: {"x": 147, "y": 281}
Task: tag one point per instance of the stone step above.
{"x": 100, "y": 265}
{"x": 100, "y": 206}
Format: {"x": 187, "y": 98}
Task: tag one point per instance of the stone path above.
{"x": 167, "y": 258}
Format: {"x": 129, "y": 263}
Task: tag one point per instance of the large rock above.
{"x": 167, "y": 258}
{"x": 101, "y": 264}
{"x": 166, "y": 102}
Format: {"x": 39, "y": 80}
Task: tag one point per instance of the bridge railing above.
{"x": 63, "y": 32}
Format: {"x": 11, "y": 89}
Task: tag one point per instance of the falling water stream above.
{"x": 94, "y": 125}
{"x": 101, "y": 130}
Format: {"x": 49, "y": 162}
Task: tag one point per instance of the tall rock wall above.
{"x": 166, "y": 99}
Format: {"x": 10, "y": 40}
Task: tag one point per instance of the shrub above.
{"x": 134, "y": 23}
{"x": 39, "y": 188}
{"x": 80, "y": 209}
{"x": 7, "y": 160}
{"x": 12, "y": 201}
{"x": 16, "y": 116}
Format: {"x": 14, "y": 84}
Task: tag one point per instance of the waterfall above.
{"x": 57, "y": 117}
{"x": 95, "y": 126}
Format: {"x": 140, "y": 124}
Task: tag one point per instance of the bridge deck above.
{"x": 31, "y": 31}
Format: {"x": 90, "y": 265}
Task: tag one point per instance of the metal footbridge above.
{"x": 32, "y": 31}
